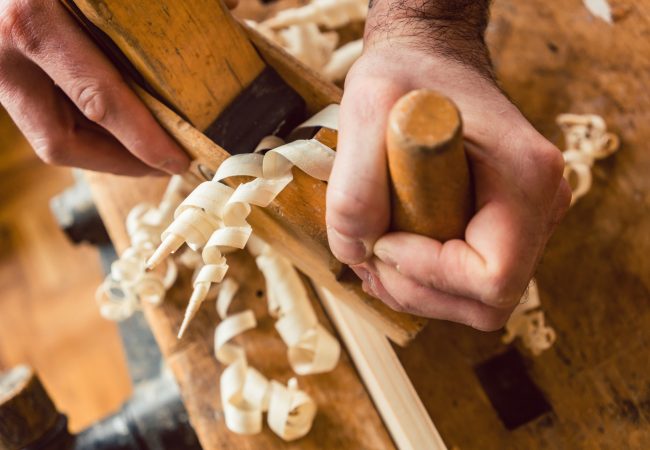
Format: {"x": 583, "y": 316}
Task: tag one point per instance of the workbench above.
{"x": 551, "y": 57}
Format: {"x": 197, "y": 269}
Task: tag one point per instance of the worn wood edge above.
{"x": 242, "y": 60}
{"x": 386, "y": 380}
{"x": 309, "y": 255}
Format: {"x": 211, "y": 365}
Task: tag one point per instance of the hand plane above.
{"x": 218, "y": 87}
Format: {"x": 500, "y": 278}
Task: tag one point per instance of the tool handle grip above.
{"x": 431, "y": 189}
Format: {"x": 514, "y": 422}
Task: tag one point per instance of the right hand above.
{"x": 72, "y": 105}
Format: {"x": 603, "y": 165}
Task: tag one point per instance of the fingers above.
{"x": 503, "y": 241}
{"x": 53, "y": 126}
{"x": 493, "y": 265}
{"x": 411, "y": 297}
{"x": 357, "y": 193}
{"x": 72, "y": 61}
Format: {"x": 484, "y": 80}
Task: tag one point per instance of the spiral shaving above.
{"x": 129, "y": 283}
{"x": 213, "y": 216}
{"x": 309, "y": 34}
{"x": 245, "y": 393}
{"x": 528, "y": 322}
{"x": 586, "y": 140}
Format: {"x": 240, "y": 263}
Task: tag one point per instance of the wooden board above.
{"x": 552, "y": 57}
{"x": 346, "y": 416}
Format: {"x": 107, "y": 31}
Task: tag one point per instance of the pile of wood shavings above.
{"x": 129, "y": 283}
{"x": 214, "y": 216}
{"x": 307, "y": 34}
{"x": 245, "y": 393}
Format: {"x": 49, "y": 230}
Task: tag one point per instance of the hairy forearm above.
{"x": 450, "y": 28}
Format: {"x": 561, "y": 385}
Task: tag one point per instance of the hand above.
{"x": 72, "y": 105}
{"x": 519, "y": 190}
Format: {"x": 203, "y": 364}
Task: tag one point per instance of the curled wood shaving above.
{"x": 129, "y": 283}
{"x": 213, "y": 216}
{"x": 528, "y": 323}
{"x": 245, "y": 393}
{"x": 600, "y": 9}
{"x": 306, "y": 34}
{"x": 341, "y": 60}
{"x": 326, "y": 13}
{"x": 587, "y": 140}
{"x": 311, "y": 348}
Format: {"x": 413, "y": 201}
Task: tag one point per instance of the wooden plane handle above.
{"x": 431, "y": 189}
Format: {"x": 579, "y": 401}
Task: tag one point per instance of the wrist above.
{"x": 451, "y": 29}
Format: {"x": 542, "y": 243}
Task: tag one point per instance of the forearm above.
{"x": 451, "y": 28}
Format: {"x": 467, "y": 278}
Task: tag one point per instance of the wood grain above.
{"x": 171, "y": 42}
{"x": 390, "y": 388}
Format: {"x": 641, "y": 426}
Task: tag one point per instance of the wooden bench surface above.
{"x": 551, "y": 57}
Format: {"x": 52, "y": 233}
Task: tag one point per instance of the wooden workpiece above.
{"x": 172, "y": 77}
{"x": 551, "y": 57}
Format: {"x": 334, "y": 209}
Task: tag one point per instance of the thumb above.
{"x": 358, "y": 205}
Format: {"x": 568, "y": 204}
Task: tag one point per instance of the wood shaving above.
{"x": 528, "y": 323}
{"x": 587, "y": 140}
{"x": 129, "y": 283}
{"x": 326, "y": 13}
{"x": 213, "y": 216}
{"x": 306, "y": 33}
{"x": 311, "y": 348}
{"x": 341, "y": 60}
{"x": 600, "y": 9}
{"x": 245, "y": 393}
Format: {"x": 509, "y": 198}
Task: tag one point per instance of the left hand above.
{"x": 519, "y": 190}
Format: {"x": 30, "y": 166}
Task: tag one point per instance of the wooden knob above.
{"x": 431, "y": 189}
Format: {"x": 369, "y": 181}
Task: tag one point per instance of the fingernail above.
{"x": 174, "y": 166}
{"x": 369, "y": 289}
{"x": 385, "y": 255}
{"x": 348, "y": 249}
{"x": 362, "y": 273}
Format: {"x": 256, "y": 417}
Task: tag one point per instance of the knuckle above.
{"x": 549, "y": 159}
{"x": 351, "y": 213}
{"x": 18, "y": 25}
{"x": 487, "y": 321}
{"x": 52, "y": 151}
{"x": 342, "y": 205}
{"x": 497, "y": 288}
{"x": 94, "y": 100}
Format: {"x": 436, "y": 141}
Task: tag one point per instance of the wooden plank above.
{"x": 346, "y": 416}
{"x": 399, "y": 405}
